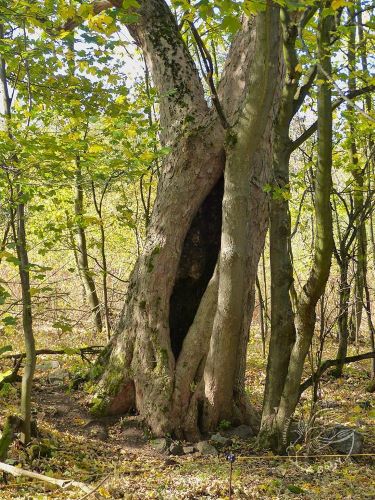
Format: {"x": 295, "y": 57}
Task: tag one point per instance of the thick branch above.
{"x": 98, "y": 6}
{"x": 207, "y": 61}
{"x": 333, "y": 362}
{"x": 62, "y": 483}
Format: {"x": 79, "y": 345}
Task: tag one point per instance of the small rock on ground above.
{"x": 176, "y": 449}
{"x": 241, "y": 432}
{"x": 219, "y": 439}
{"x": 344, "y": 440}
{"x": 159, "y": 444}
{"x": 205, "y": 448}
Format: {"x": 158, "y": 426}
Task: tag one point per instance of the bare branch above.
{"x": 312, "y": 129}
{"x": 333, "y": 362}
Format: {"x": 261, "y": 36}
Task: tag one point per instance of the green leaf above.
{"x": 70, "y": 351}
{"x": 9, "y": 320}
{"x": 63, "y": 326}
{"x": 5, "y": 348}
{"x": 128, "y": 4}
{"x": 5, "y": 374}
{"x": 295, "y": 489}
{"x": 231, "y": 23}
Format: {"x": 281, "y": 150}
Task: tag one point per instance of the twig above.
{"x": 96, "y": 487}
{"x": 282, "y": 457}
{"x": 12, "y": 377}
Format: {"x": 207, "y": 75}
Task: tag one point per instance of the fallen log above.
{"x": 70, "y": 351}
{"x": 62, "y": 483}
{"x": 332, "y": 362}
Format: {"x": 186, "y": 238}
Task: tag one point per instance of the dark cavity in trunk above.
{"x": 197, "y": 263}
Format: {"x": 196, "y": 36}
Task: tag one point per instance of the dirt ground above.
{"x": 116, "y": 456}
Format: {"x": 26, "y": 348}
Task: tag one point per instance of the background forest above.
{"x": 174, "y": 175}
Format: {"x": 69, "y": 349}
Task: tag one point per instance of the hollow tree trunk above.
{"x": 158, "y": 359}
{"x": 142, "y": 362}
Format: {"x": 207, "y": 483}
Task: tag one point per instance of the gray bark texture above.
{"x": 277, "y": 424}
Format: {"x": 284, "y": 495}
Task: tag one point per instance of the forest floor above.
{"x": 115, "y": 454}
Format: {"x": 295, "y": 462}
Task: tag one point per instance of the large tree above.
{"x": 179, "y": 351}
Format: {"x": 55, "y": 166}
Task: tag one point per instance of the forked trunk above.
{"x": 169, "y": 348}
{"x": 275, "y": 423}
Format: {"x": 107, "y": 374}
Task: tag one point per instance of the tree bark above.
{"x": 81, "y": 251}
{"x": 244, "y": 216}
{"x": 156, "y": 364}
{"x": 343, "y": 319}
{"x": 277, "y": 425}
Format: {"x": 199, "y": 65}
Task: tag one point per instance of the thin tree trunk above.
{"x": 4, "y": 240}
{"x": 30, "y": 359}
{"x": 81, "y": 245}
{"x": 267, "y": 317}
{"x": 17, "y": 220}
{"x": 80, "y": 248}
{"x": 363, "y": 53}
{"x": 358, "y": 175}
{"x": 262, "y": 318}
{"x": 282, "y": 315}
{"x": 99, "y": 210}
{"x": 343, "y": 319}
{"x": 323, "y": 245}
{"x": 370, "y": 324}
{"x": 231, "y": 326}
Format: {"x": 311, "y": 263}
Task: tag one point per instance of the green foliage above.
{"x": 72, "y": 102}
{"x": 5, "y": 348}
{"x": 224, "y": 425}
{"x": 4, "y": 375}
